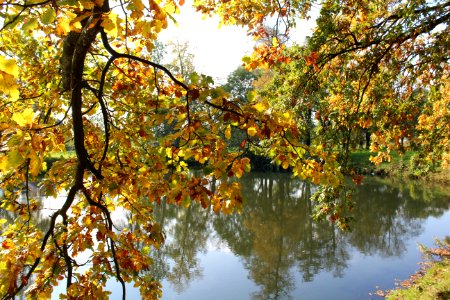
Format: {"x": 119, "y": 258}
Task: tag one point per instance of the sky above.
{"x": 217, "y": 51}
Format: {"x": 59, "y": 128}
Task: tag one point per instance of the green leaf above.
{"x": 246, "y": 59}
{"x": 48, "y": 16}
{"x": 194, "y": 77}
{"x": 30, "y": 25}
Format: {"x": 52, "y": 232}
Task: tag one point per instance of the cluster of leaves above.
{"x": 378, "y": 68}
{"x": 384, "y": 60}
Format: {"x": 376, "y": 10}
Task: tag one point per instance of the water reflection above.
{"x": 41, "y": 215}
{"x": 187, "y": 232}
{"x": 277, "y": 243}
{"x": 285, "y": 239}
{"x": 276, "y": 239}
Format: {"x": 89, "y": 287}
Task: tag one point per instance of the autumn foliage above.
{"x": 78, "y": 74}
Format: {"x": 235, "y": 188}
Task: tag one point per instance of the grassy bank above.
{"x": 400, "y": 166}
{"x": 55, "y": 156}
{"x": 432, "y": 281}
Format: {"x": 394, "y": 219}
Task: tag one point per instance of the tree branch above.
{"x": 116, "y": 55}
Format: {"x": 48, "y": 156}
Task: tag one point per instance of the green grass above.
{"x": 55, "y": 156}
{"x": 359, "y": 160}
{"x": 399, "y": 166}
{"x": 65, "y": 154}
{"x": 434, "y": 284}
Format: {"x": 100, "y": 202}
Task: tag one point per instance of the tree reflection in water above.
{"x": 187, "y": 231}
{"x": 285, "y": 237}
{"x": 41, "y": 215}
{"x": 276, "y": 239}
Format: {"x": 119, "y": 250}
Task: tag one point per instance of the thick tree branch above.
{"x": 104, "y": 109}
{"x": 83, "y": 42}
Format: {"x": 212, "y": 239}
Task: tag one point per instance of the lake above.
{"x": 274, "y": 250}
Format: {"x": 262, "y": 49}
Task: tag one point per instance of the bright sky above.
{"x": 218, "y": 51}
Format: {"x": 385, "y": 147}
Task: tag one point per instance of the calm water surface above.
{"x": 273, "y": 250}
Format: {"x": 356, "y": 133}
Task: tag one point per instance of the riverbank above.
{"x": 400, "y": 166}
{"x": 432, "y": 281}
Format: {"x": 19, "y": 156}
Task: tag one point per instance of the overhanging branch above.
{"x": 116, "y": 55}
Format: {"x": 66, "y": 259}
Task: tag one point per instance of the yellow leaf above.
{"x": 9, "y": 86}
{"x": 3, "y": 164}
{"x": 63, "y": 23}
{"x": 228, "y": 132}
{"x": 35, "y": 165}
{"x": 169, "y": 152}
{"x": 86, "y": 4}
{"x": 157, "y": 25}
{"x": 11, "y": 161}
{"x": 8, "y": 244}
{"x": 275, "y": 42}
{"x": 260, "y": 106}
{"x": 9, "y": 66}
{"x": 138, "y": 4}
{"x": 171, "y": 7}
{"x": 239, "y": 172}
{"x": 110, "y": 24}
{"x": 75, "y": 23}
{"x": 24, "y": 118}
{"x": 252, "y": 131}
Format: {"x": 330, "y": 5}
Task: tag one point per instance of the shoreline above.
{"x": 431, "y": 281}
